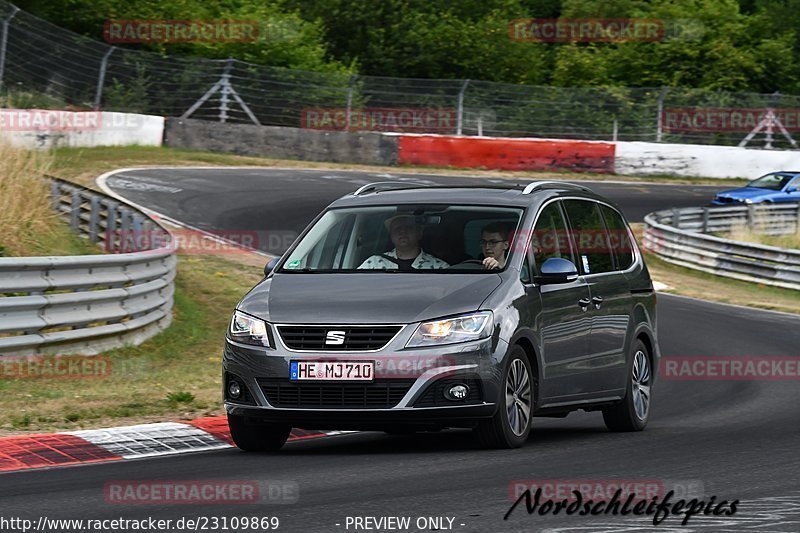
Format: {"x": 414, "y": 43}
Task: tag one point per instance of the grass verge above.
{"x": 791, "y": 240}
{"x": 28, "y": 225}
{"x": 698, "y": 284}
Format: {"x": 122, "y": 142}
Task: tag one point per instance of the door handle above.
{"x": 584, "y": 303}
{"x": 597, "y": 301}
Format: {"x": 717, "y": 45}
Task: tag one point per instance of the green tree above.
{"x": 287, "y": 40}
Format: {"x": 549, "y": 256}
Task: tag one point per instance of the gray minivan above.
{"x": 404, "y": 307}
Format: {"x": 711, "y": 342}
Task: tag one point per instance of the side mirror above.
{"x": 271, "y": 265}
{"x": 557, "y": 270}
{"x": 791, "y": 190}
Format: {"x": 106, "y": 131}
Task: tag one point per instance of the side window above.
{"x": 620, "y": 240}
{"x": 550, "y": 238}
{"x": 589, "y": 233}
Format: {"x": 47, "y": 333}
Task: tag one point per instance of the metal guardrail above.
{"x": 86, "y": 304}
{"x": 681, "y": 236}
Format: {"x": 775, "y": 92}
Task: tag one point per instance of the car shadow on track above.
{"x": 454, "y": 440}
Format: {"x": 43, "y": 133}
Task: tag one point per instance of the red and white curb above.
{"x": 121, "y": 443}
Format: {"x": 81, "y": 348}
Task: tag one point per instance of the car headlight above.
{"x": 464, "y": 328}
{"x": 249, "y": 330}
{"x": 747, "y": 201}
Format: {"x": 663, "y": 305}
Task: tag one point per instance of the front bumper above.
{"x": 415, "y": 376}
{"x": 367, "y": 419}
{"x": 729, "y": 202}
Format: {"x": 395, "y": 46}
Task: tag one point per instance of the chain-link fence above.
{"x": 39, "y": 57}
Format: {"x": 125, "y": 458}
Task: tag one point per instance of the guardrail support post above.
{"x": 111, "y": 228}
{"x": 126, "y": 228}
{"x": 751, "y": 217}
{"x": 55, "y": 195}
{"x": 138, "y": 238}
{"x": 676, "y": 218}
{"x": 75, "y": 213}
{"x": 94, "y": 218}
{"x": 705, "y": 220}
{"x": 797, "y": 219}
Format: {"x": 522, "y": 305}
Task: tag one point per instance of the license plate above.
{"x": 331, "y": 370}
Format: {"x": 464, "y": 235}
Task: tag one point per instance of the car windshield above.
{"x": 775, "y": 182}
{"x": 419, "y": 238}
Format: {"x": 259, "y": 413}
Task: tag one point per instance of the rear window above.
{"x": 621, "y": 244}
{"x": 589, "y": 232}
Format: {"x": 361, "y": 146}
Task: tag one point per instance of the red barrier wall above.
{"x": 505, "y": 154}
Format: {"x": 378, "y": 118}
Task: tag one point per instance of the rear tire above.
{"x": 511, "y": 424}
{"x": 633, "y": 412}
{"x": 257, "y": 437}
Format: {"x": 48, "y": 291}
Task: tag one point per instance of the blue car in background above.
{"x": 772, "y": 188}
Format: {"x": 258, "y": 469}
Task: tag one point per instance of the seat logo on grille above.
{"x": 334, "y": 337}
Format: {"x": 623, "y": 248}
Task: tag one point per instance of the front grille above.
{"x": 434, "y": 394}
{"x": 725, "y": 199}
{"x": 380, "y": 394}
{"x": 356, "y": 338}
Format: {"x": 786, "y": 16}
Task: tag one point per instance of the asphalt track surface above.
{"x": 736, "y": 440}
{"x": 280, "y": 203}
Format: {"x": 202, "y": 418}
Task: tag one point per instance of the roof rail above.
{"x": 539, "y": 185}
{"x": 386, "y": 186}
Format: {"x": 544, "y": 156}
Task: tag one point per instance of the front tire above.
{"x": 511, "y": 424}
{"x": 633, "y": 412}
{"x": 257, "y": 437}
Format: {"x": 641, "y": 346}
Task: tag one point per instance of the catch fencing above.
{"x": 37, "y": 56}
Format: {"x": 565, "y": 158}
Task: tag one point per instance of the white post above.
{"x": 460, "y": 111}
{"x": 349, "y": 101}
{"x": 660, "y": 118}
{"x": 101, "y": 79}
{"x": 225, "y": 90}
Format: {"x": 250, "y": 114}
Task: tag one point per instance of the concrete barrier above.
{"x": 372, "y": 148}
{"x": 46, "y": 128}
{"x": 366, "y": 148}
{"x": 505, "y": 153}
{"x": 689, "y": 160}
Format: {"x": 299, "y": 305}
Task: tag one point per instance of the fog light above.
{"x": 457, "y": 392}
{"x": 234, "y": 389}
